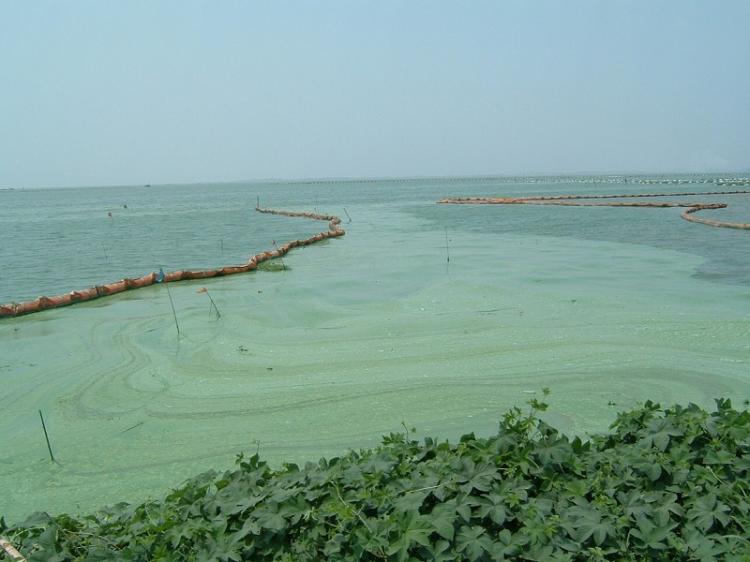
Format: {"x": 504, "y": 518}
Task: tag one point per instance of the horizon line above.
{"x": 369, "y": 179}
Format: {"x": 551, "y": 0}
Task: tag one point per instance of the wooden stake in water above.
{"x": 213, "y": 304}
{"x": 447, "y": 251}
{"x": 283, "y": 265}
{"x": 46, "y": 437}
{"x": 347, "y": 215}
{"x": 257, "y": 201}
{"x": 174, "y": 312}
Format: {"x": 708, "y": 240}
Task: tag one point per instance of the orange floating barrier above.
{"x": 232, "y": 270}
{"x": 87, "y": 294}
{"x": 11, "y": 551}
{"x": 574, "y": 201}
{"x": 73, "y": 297}
{"x": 57, "y": 300}
{"x": 27, "y": 307}
{"x": 117, "y": 286}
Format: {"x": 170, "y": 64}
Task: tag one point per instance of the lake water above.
{"x": 605, "y": 306}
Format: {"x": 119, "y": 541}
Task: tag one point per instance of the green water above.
{"x": 358, "y": 334}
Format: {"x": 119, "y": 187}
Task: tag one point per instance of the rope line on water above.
{"x": 74, "y": 297}
{"x": 575, "y": 201}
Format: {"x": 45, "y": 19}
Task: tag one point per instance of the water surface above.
{"x": 607, "y": 307}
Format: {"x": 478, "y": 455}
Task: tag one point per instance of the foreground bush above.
{"x": 664, "y": 484}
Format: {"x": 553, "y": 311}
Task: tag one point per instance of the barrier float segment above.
{"x": 11, "y": 551}
{"x": 43, "y": 303}
{"x": 575, "y": 201}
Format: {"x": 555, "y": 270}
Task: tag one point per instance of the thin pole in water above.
{"x": 347, "y": 215}
{"x": 46, "y": 437}
{"x": 216, "y": 308}
{"x": 174, "y": 312}
{"x": 283, "y": 265}
{"x": 213, "y": 304}
{"x": 447, "y": 252}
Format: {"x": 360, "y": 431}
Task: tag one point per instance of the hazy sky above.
{"x": 104, "y": 92}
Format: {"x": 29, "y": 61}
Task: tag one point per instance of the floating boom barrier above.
{"x": 576, "y": 201}
{"x": 98, "y": 291}
{"x": 11, "y": 551}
